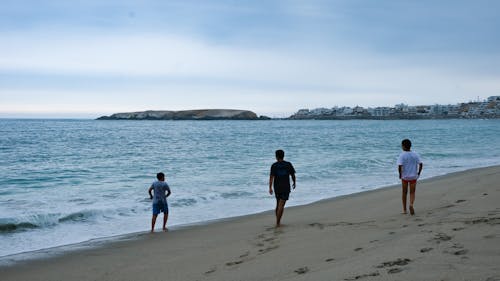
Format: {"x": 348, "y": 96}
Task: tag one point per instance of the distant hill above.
{"x": 201, "y": 114}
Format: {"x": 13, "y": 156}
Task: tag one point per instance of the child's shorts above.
{"x": 160, "y": 207}
{"x": 409, "y": 181}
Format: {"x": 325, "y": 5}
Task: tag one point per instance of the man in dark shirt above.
{"x": 280, "y": 178}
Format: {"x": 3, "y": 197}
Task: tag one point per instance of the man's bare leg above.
{"x": 280, "y": 207}
{"x": 404, "y": 195}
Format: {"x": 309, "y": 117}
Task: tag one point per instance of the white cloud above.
{"x": 261, "y": 79}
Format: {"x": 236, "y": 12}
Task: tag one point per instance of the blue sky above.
{"x": 92, "y": 58}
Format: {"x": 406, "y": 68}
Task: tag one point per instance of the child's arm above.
{"x": 400, "y": 170}
{"x": 149, "y": 191}
{"x": 420, "y": 167}
{"x": 168, "y": 192}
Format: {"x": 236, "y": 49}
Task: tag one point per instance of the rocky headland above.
{"x": 201, "y": 114}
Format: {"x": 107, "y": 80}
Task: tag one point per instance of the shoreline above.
{"x": 454, "y": 236}
{"x": 60, "y": 250}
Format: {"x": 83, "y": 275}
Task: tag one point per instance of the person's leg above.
{"x": 165, "y": 218}
{"x": 413, "y": 186}
{"x": 153, "y": 221}
{"x": 404, "y": 185}
{"x": 279, "y": 211}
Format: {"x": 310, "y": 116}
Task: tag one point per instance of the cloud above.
{"x": 306, "y": 57}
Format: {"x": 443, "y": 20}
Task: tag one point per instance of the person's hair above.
{"x": 160, "y": 176}
{"x": 280, "y": 154}
{"x": 406, "y": 143}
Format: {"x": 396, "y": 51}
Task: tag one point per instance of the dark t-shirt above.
{"x": 281, "y": 171}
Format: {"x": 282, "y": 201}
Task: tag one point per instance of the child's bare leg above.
{"x": 165, "y": 218}
{"x": 404, "y": 186}
{"x": 153, "y": 221}
{"x": 413, "y": 186}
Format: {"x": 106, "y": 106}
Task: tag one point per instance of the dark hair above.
{"x": 406, "y": 143}
{"x": 160, "y": 176}
{"x": 280, "y": 154}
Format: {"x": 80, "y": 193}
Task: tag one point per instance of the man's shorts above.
{"x": 409, "y": 181}
{"x": 160, "y": 207}
{"x": 282, "y": 195}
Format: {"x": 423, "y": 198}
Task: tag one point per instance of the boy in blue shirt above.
{"x": 159, "y": 200}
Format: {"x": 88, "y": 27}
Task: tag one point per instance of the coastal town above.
{"x": 487, "y": 109}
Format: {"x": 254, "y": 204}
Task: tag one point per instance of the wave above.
{"x": 15, "y": 227}
{"x": 236, "y": 194}
{"x": 79, "y": 216}
{"x": 9, "y": 225}
{"x": 184, "y": 202}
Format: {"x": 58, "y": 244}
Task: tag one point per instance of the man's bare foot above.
{"x": 152, "y": 231}
{"x": 404, "y": 213}
{"x": 165, "y": 229}
{"x": 412, "y": 211}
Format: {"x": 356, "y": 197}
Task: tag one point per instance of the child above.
{"x": 409, "y": 167}
{"x": 159, "y": 200}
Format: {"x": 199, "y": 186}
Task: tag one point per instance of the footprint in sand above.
{"x": 460, "y": 201}
{"x": 268, "y": 249}
{"x": 460, "y": 252}
{"x": 399, "y": 262}
{"x": 441, "y": 237}
{"x": 330, "y": 260}
{"x": 246, "y": 254}
{"x": 446, "y": 207}
{"x": 234, "y": 263}
{"x": 317, "y": 224}
{"x": 358, "y": 249}
{"x": 394, "y": 270}
{"x": 212, "y": 270}
{"x": 425, "y": 250}
{"x": 302, "y": 270}
{"x": 357, "y": 277}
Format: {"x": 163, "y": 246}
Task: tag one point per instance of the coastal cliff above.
{"x": 202, "y": 114}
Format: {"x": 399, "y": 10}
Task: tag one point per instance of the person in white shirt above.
{"x": 409, "y": 167}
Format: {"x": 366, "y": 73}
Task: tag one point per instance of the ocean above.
{"x": 68, "y": 181}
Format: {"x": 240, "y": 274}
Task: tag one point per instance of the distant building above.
{"x": 489, "y": 108}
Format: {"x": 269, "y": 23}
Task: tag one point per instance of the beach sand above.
{"x": 455, "y": 235}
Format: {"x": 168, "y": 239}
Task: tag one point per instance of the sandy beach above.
{"x": 455, "y": 235}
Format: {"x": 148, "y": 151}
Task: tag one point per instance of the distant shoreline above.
{"x": 198, "y": 114}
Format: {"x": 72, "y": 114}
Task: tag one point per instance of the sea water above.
{"x": 68, "y": 181}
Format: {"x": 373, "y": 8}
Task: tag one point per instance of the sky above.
{"x": 84, "y": 59}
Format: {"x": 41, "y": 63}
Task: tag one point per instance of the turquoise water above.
{"x": 68, "y": 181}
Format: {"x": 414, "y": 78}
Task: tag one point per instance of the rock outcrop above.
{"x": 202, "y": 114}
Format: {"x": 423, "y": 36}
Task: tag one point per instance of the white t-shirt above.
{"x": 410, "y": 162}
